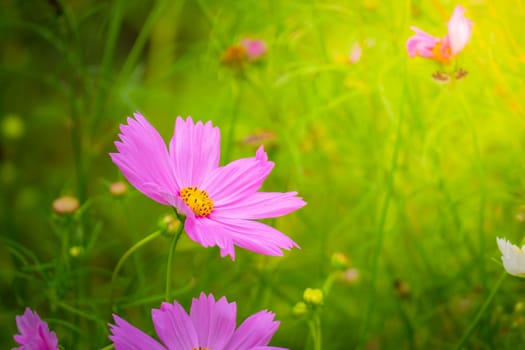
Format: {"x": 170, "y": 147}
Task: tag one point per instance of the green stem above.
{"x": 480, "y": 313}
{"x": 78, "y": 312}
{"x": 170, "y": 260}
{"x": 135, "y": 236}
{"x": 109, "y": 347}
{"x": 315, "y": 329}
{"x": 482, "y": 183}
{"x": 381, "y": 228}
{"x": 126, "y": 256}
{"x": 141, "y": 40}
{"x": 230, "y": 138}
{"x": 75, "y": 53}
{"x": 329, "y": 281}
{"x": 107, "y": 59}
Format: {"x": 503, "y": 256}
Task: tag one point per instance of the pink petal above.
{"x": 459, "y": 30}
{"x": 174, "y": 327}
{"x": 261, "y": 205}
{"x": 255, "y": 48}
{"x": 257, "y": 330}
{"x": 225, "y": 233}
{"x": 127, "y": 337}
{"x": 194, "y": 151}
{"x": 421, "y": 44}
{"x": 34, "y": 333}
{"x": 176, "y": 201}
{"x": 143, "y": 159}
{"x": 214, "y": 321}
{"x": 238, "y": 179}
{"x": 28, "y": 322}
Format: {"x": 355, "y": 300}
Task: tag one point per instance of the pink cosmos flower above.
{"x": 442, "y": 49}
{"x": 255, "y": 48}
{"x": 34, "y": 333}
{"x": 220, "y": 202}
{"x": 210, "y": 325}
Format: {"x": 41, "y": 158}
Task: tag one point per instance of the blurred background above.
{"x": 409, "y": 179}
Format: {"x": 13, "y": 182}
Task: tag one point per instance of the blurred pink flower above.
{"x": 355, "y": 53}
{"x": 442, "y": 49}
{"x": 255, "y": 48}
{"x": 221, "y": 203}
{"x": 34, "y": 333}
{"x": 210, "y": 324}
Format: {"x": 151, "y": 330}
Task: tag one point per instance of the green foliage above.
{"x": 410, "y": 178}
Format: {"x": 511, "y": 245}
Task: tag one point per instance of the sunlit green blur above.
{"x": 408, "y": 179}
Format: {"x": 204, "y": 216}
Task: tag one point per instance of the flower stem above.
{"x": 478, "y": 163}
{"x": 126, "y": 256}
{"x": 135, "y": 236}
{"x": 480, "y": 313}
{"x": 230, "y": 138}
{"x": 385, "y": 206}
{"x": 315, "y": 329}
{"x": 107, "y": 59}
{"x": 327, "y": 285}
{"x": 170, "y": 260}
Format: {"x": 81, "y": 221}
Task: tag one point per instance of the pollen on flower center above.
{"x": 441, "y": 54}
{"x": 198, "y": 201}
{"x": 200, "y": 348}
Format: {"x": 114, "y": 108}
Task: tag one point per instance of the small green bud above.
{"x": 12, "y": 127}
{"x": 300, "y": 309}
{"x": 518, "y": 307}
{"x": 340, "y": 261}
{"x": 313, "y": 296}
{"x": 169, "y": 224}
{"x": 76, "y": 251}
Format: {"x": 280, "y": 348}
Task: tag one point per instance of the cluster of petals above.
{"x": 209, "y": 325}
{"x": 228, "y": 196}
{"x": 513, "y": 257}
{"x": 34, "y": 333}
{"x": 442, "y": 49}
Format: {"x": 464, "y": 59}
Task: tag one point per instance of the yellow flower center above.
{"x": 441, "y": 56}
{"x": 200, "y": 348}
{"x": 197, "y": 200}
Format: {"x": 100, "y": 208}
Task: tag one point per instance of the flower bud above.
{"x": 13, "y": 127}
{"x": 75, "y": 251}
{"x": 351, "y": 276}
{"x": 313, "y": 296}
{"x": 65, "y": 205}
{"x": 340, "y": 261}
{"x": 300, "y": 309}
{"x": 402, "y": 288}
{"x": 234, "y": 56}
{"x": 118, "y": 188}
{"x": 169, "y": 223}
{"x": 518, "y": 307}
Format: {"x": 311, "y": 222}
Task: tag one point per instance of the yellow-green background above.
{"x": 412, "y": 179}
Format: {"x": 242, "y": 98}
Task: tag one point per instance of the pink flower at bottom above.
{"x": 442, "y": 49}
{"x": 221, "y": 203}
{"x": 210, "y": 325}
{"x": 34, "y": 333}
